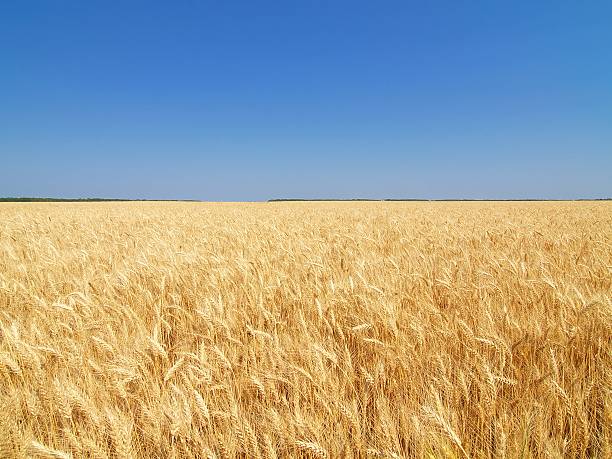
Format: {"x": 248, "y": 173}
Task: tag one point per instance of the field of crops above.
{"x": 306, "y": 330}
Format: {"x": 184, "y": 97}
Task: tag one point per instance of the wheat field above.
{"x": 331, "y": 329}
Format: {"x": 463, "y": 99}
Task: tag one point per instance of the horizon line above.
{"x": 51, "y": 199}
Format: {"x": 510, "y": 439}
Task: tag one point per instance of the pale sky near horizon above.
{"x": 313, "y": 99}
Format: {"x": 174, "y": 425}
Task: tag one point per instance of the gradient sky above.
{"x": 222, "y": 100}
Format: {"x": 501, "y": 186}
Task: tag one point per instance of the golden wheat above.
{"x": 306, "y": 330}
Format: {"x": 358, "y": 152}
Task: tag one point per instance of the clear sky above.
{"x": 228, "y": 100}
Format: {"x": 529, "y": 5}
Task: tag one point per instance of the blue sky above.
{"x": 222, "y": 100}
